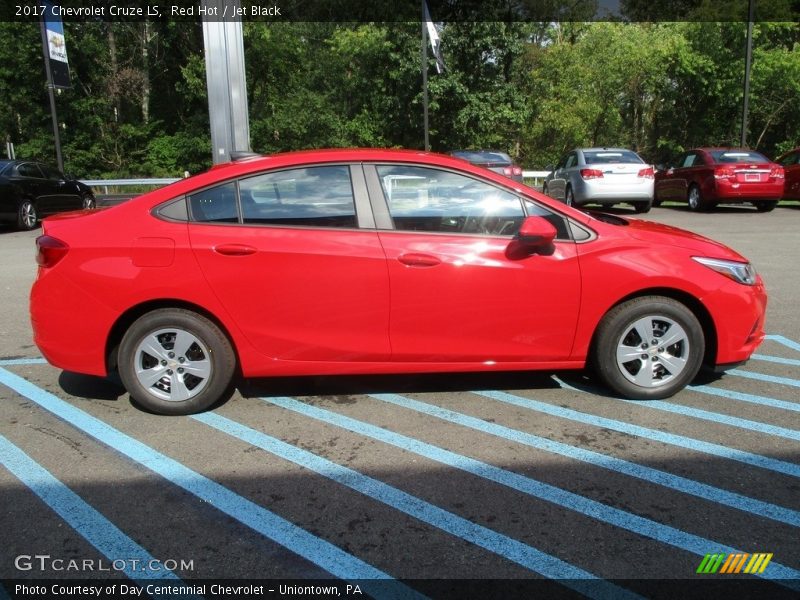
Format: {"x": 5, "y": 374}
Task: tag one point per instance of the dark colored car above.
{"x": 31, "y": 190}
{"x": 494, "y": 160}
{"x": 705, "y": 177}
{"x": 333, "y": 262}
{"x": 790, "y": 161}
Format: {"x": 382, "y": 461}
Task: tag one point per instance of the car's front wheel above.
{"x": 27, "y": 218}
{"x": 648, "y": 348}
{"x": 175, "y": 362}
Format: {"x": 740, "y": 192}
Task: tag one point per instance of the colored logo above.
{"x": 734, "y": 563}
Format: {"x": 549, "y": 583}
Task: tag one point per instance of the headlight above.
{"x": 740, "y": 272}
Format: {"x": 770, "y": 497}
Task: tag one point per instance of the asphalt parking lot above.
{"x": 438, "y": 486}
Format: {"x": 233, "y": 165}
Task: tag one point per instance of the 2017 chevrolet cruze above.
{"x": 379, "y": 261}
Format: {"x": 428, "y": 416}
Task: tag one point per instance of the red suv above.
{"x": 705, "y": 177}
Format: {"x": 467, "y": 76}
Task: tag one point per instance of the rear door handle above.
{"x": 234, "y": 250}
{"x": 414, "y": 259}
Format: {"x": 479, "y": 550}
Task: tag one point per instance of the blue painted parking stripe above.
{"x": 502, "y": 545}
{"x": 83, "y": 518}
{"x": 612, "y": 463}
{"x": 332, "y": 559}
{"x": 776, "y": 359}
{"x": 783, "y": 340}
{"x": 672, "y": 439}
{"x": 9, "y": 362}
{"x": 741, "y": 396}
{"x": 688, "y": 411}
{"x": 768, "y": 378}
{"x": 532, "y": 487}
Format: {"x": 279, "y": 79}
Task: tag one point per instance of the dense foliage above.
{"x": 138, "y": 104}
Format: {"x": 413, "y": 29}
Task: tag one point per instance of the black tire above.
{"x": 544, "y": 189}
{"x": 638, "y": 368}
{"x": 193, "y": 356}
{"x": 642, "y": 207}
{"x": 765, "y": 205}
{"x": 27, "y": 217}
{"x": 694, "y": 197}
{"x": 656, "y": 203}
{"x": 88, "y": 202}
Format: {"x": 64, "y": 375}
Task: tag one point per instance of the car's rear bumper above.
{"x": 604, "y": 193}
{"x": 66, "y": 337}
{"x": 745, "y": 192}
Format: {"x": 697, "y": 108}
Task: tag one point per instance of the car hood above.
{"x": 658, "y": 233}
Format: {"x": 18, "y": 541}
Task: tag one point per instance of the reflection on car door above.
{"x": 674, "y": 183}
{"x": 65, "y": 195}
{"x": 297, "y": 275}
{"x": 791, "y": 166}
{"x": 557, "y": 187}
{"x": 454, "y": 282}
{"x": 33, "y": 185}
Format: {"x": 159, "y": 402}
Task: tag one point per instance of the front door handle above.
{"x": 234, "y": 250}
{"x": 415, "y": 259}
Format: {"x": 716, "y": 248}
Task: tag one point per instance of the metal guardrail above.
{"x": 106, "y": 183}
{"x": 537, "y": 176}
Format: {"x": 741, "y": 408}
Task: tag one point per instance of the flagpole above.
{"x": 424, "y": 54}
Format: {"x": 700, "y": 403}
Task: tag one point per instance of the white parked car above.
{"x": 605, "y": 176}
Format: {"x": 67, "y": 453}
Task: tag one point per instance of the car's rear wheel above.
{"x": 27, "y": 218}
{"x": 175, "y": 362}
{"x": 648, "y": 348}
{"x": 642, "y": 207}
{"x": 569, "y": 197}
{"x": 695, "y": 198}
{"x": 766, "y": 205}
{"x": 88, "y": 201}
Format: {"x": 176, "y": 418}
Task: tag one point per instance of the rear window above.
{"x": 605, "y": 157}
{"x": 737, "y": 156}
{"x": 500, "y": 158}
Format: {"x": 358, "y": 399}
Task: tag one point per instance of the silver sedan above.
{"x": 605, "y": 176}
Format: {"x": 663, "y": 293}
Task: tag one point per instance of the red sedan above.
{"x": 791, "y": 166}
{"x": 705, "y": 177}
{"x": 379, "y": 261}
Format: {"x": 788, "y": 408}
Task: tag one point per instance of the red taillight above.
{"x": 50, "y": 250}
{"x": 647, "y": 173}
{"x": 508, "y": 171}
{"x": 591, "y": 173}
{"x": 724, "y": 173}
{"x": 517, "y": 171}
{"x": 777, "y": 173}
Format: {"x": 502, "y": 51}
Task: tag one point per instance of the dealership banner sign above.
{"x": 56, "y": 51}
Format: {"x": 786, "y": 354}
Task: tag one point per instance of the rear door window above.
{"x": 314, "y": 197}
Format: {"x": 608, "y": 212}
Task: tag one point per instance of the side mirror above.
{"x": 661, "y": 167}
{"x": 535, "y": 233}
{"x": 550, "y": 168}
